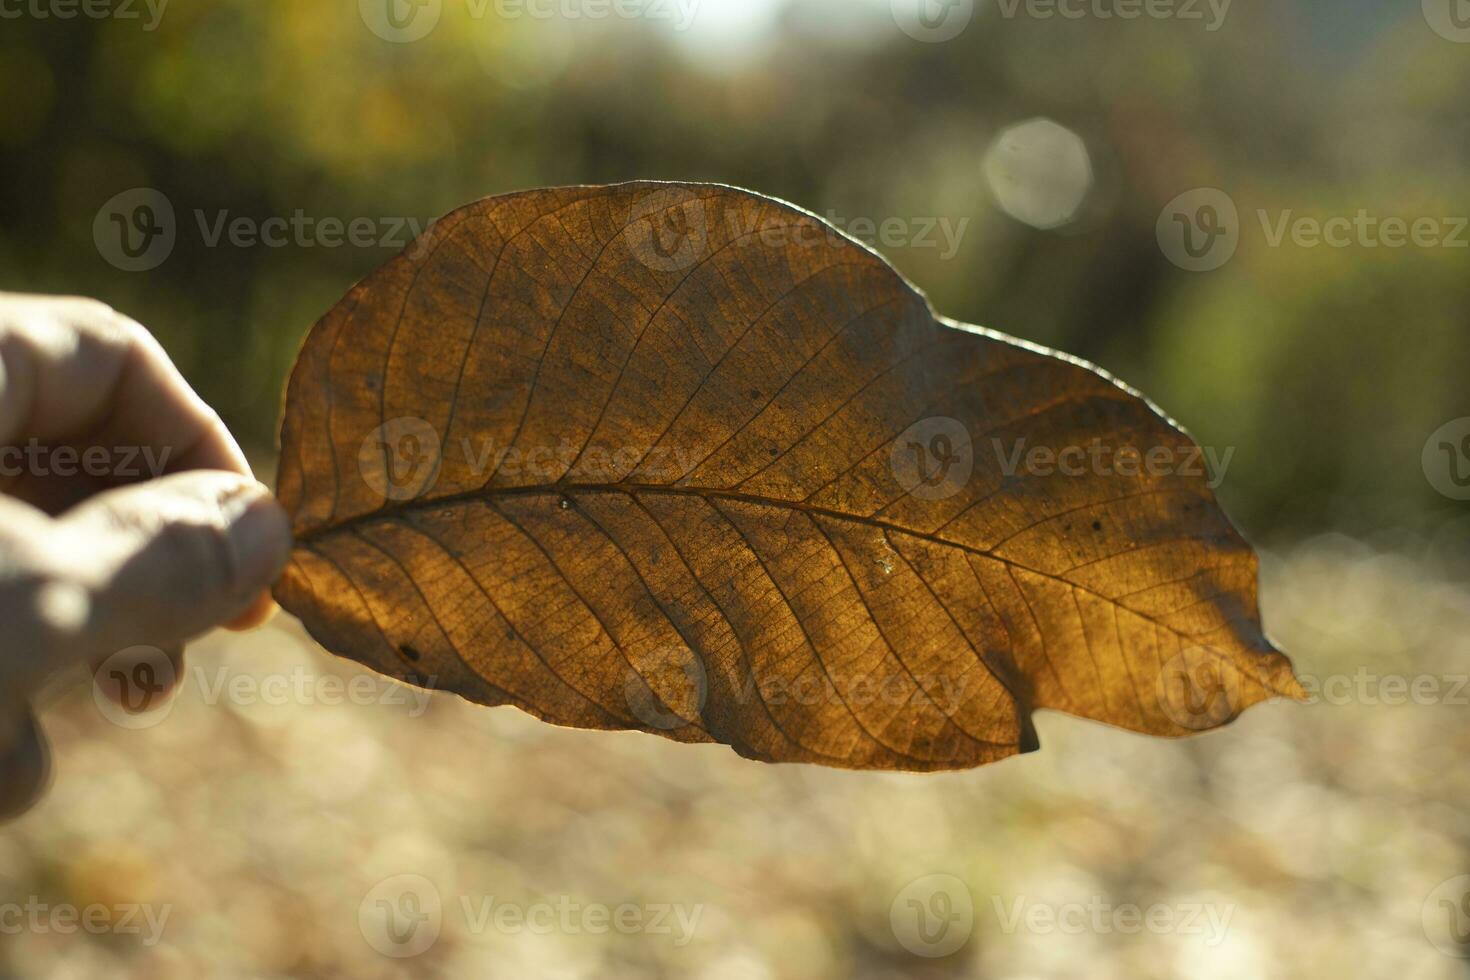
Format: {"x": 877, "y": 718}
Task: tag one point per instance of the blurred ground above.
{"x": 1301, "y": 841}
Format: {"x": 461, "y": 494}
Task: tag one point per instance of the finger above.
{"x": 260, "y": 613}
{"x": 25, "y": 765}
{"x": 74, "y": 371}
{"x": 167, "y": 560}
{"x": 42, "y": 608}
{"x": 158, "y": 671}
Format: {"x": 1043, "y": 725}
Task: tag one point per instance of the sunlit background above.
{"x": 1141, "y": 191}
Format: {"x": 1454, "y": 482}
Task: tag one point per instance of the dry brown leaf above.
{"x": 684, "y": 459}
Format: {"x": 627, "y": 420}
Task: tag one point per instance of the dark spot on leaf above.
{"x": 409, "y": 653}
{"x": 1097, "y": 525}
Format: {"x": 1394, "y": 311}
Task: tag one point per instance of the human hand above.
{"x": 128, "y": 514}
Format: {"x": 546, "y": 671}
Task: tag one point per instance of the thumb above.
{"x": 164, "y": 561}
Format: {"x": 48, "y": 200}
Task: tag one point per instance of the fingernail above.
{"x": 258, "y": 615}
{"x": 259, "y": 534}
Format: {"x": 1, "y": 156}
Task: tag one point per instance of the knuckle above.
{"x": 98, "y": 328}
{"x": 91, "y": 309}
{"x": 101, "y": 323}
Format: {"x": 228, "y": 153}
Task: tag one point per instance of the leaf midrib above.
{"x": 398, "y": 511}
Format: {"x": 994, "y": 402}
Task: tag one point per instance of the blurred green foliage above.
{"x": 1326, "y": 368}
